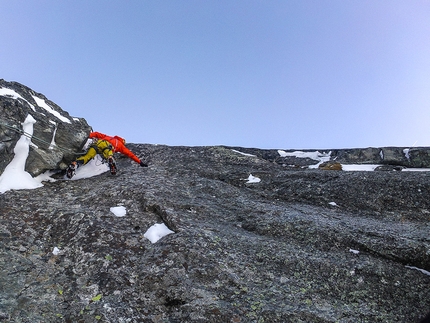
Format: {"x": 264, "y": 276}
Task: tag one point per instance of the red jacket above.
{"x": 117, "y": 144}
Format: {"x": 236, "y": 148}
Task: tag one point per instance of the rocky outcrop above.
{"x": 57, "y": 136}
{"x": 408, "y": 157}
{"x": 299, "y": 245}
{"x": 416, "y": 157}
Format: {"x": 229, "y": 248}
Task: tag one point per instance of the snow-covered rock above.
{"x": 56, "y": 138}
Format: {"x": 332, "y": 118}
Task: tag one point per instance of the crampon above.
{"x": 71, "y": 170}
{"x": 112, "y": 166}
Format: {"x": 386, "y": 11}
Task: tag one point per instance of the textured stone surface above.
{"x": 415, "y": 157}
{"x": 298, "y": 246}
{"x": 16, "y": 103}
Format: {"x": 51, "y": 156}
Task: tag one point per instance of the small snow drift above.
{"x": 253, "y": 179}
{"x": 119, "y": 211}
{"x": 156, "y": 232}
{"x": 94, "y": 167}
{"x": 14, "y": 176}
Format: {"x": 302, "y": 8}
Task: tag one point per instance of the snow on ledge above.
{"x": 360, "y": 167}
{"x": 42, "y": 103}
{"x": 242, "y": 153}
{"x": 11, "y": 93}
{"x": 315, "y": 155}
{"x": 323, "y": 157}
{"x": 425, "y": 272}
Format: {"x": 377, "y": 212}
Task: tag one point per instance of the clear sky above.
{"x": 290, "y": 74}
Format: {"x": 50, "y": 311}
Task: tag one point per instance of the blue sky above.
{"x": 289, "y": 74}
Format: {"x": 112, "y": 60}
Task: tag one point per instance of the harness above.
{"x": 100, "y": 150}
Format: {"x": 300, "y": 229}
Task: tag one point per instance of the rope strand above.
{"x": 22, "y": 132}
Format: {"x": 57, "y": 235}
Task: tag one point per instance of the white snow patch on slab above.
{"x": 242, "y": 153}
{"x": 93, "y": 168}
{"x": 46, "y": 177}
{"x": 119, "y": 211}
{"x": 425, "y": 272}
{"x": 253, "y": 179}
{"x": 156, "y": 232}
{"x": 359, "y": 167}
{"x": 42, "y": 103}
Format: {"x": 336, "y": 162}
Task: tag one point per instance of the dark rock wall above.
{"x": 278, "y": 250}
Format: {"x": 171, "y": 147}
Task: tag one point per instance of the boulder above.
{"x": 57, "y": 137}
{"x": 369, "y": 155}
{"x": 419, "y": 157}
{"x": 394, "y": 156}
{"x": 330, "y": 165}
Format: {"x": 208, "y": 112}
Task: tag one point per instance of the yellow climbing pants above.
{"x": 102, "y": 147}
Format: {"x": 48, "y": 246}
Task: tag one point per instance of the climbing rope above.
{"x": 33, "y": 137}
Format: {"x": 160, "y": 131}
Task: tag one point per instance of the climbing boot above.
{"x": 71, "y": 170}
{"x": 112, "y": 165}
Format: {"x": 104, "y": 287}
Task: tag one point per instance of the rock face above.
{"x": 300, "y": 245}
{"x": 57, "y": 137}
{"x": 415, "y": 157}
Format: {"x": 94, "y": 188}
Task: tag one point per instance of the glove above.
{"x": 143, "y": 164}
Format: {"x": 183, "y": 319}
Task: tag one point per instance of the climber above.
{"x": 105, "y": 146}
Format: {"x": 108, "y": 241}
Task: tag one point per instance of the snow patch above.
{"x": 94, "y": 167}
{"x": 42, "y": 103}
{"x": 14, "y": 176}
{"x": 359, "y": 167}
{"x": 119, "y": 211}
{"x": 244, "y": 154}
{"x": 156, "y": 232}
{"x": 415, "y": 169}
{"x": 315, "y": 155}
{"x": 425, "y": 272}
{"x": 46, "y": 176}
{"x": 53, "y": 144}
{"x": 253, "y": 179}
